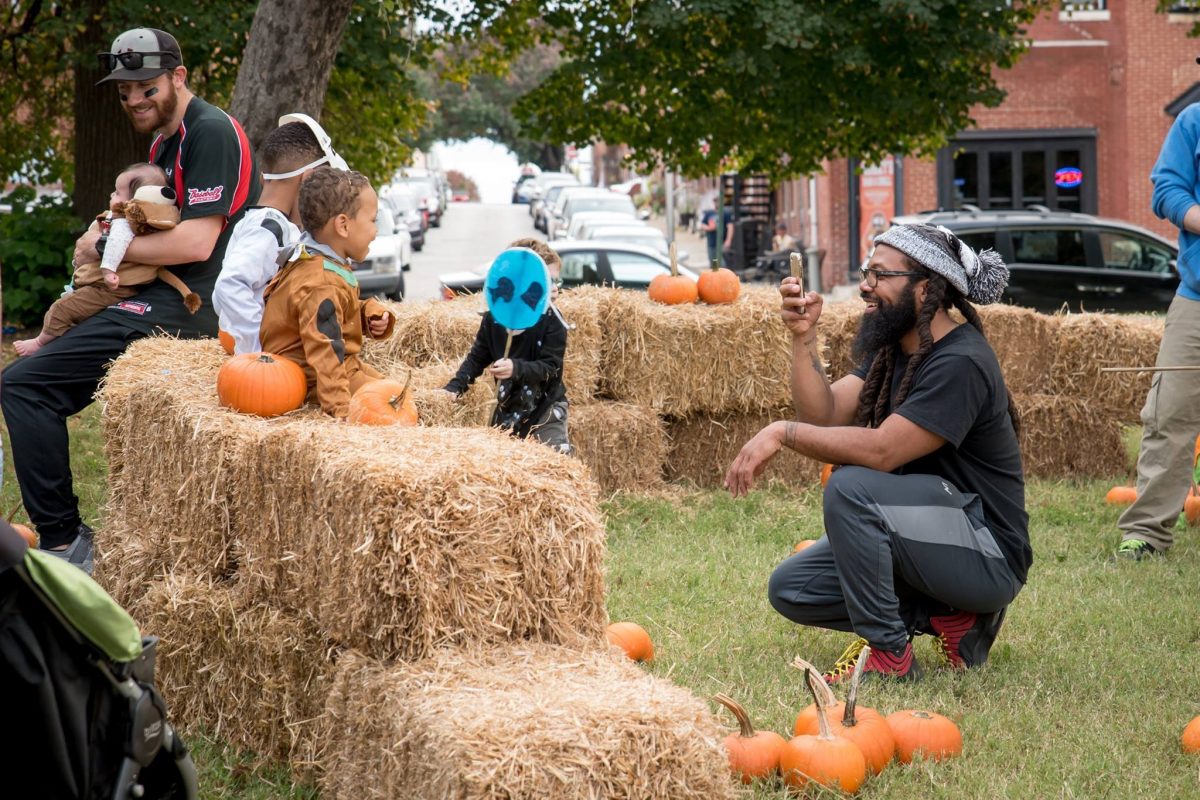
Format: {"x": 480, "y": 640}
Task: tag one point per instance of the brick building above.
{"x": 1090, "y": 101}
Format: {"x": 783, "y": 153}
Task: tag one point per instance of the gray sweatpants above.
{"x": 897, "y": 549}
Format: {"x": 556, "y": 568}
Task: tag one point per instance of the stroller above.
{"x": 81, "y": 717}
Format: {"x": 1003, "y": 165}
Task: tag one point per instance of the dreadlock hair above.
{"x": 873, "y": 401}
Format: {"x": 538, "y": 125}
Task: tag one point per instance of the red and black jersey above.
{"x": 210, "y": 164}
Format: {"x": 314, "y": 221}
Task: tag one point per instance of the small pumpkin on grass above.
{"x": 719, "y": 285}
{"x": 826, "y": 472}
{"x": 632, "y": 639}
{"x": 864, "y": 726}
{"x": 226, "y": 340}
{"x": 1191, "y": 507}
{"x": 924, "y": 733}
{"x": 261, "y": 384}
{"x": 1120, "y": 495}
{"x": 752, "y": 754}
{"x": 1190, "y": 740}
{"x": 26, "y": 533}
{"x": 803, "y": 544}
{"x": 384, "y": 402}
{"x": 673, "y": 289}
{"x": 825, "y": 759}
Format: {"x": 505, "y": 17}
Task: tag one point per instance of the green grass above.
{"x": 1087, "y": 690}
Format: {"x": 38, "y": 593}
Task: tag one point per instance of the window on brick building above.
{"x": 1019, "y": 169}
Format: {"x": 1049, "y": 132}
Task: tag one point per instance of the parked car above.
{"x": 388, "y": 258}
{"x": 583, "y": 218}
{"x": 589, "y": 227}
{"x": 407, "y": 207}
{"x": 589, "y": 200}
{"x": 538, "y": 187}
{"x": 585, "y": 263}
{"x": 541, "y": 208}
{"x": 528, "y": 173}
{"x": 643, "y": 235}
{"x": 1058, "y": 258}
{"x": 429, "y": 193}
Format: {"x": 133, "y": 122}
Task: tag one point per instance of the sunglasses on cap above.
{"x": 132, "y": 60}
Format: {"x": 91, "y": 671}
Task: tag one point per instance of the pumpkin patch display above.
{"x": 226, "y": 340}
{"x": 718, "y": 285}
{"x": 1120, "y": 495}
{"x": 752, "y": 754}
{"x": 673, "y": 289}
{"x": 384, "y": 402}
{"x": 924, "y": 733}
{"x": 1190, "y": 740}
{"x": 825, "y": 759}
{"x": 632, "y": 639}
{"x": 261, "y": 384}
{"x": 864, "y": 726}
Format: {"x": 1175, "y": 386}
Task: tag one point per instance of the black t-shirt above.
{"x": 958, "y": 393}
{"x": 210, "y": 164}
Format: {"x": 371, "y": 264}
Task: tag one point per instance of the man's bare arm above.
{"x": 190, "y": 240}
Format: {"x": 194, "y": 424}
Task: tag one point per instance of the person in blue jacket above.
{"x": 1171, "y": 415}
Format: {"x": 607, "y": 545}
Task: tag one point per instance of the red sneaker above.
{"x": 880, "y": 664}
{"x": 964, "y": 639}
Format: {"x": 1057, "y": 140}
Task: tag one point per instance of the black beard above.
{"x": 886, "y": 325}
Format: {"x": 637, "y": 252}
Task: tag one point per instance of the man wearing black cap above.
{"x": 925, "y": 525}
{"x": 210, "y": 165}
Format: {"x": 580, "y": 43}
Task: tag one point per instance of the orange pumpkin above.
{"x": 803, "y": 544}
{"x": 384, "y": 402}
{"x": 751, "y": 754}
{"x": 673, "y": 289}
{"x": 831, "y": 761}
{"x": 1191, "y": 508}
{"x": 718, "y": 285}
{"x": 631, "y": 638}
{"x": 27, "y": 533}
{"x": 261, "y": 384}
{"x": 1120, "y": 495}
{"x": 226, "y": 341}
{"x": 924, "y": 733}
{"x": 864, "y": 726}
{"x": 826, "y": 471}
{"x": 1190, "y": 740}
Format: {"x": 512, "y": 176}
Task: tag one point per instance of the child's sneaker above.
{"x": 1135, "y": 550}
{"x": 964, "y": 639}
{"x": 880, "y": 664}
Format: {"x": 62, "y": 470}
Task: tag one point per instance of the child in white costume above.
{"x": 289, "y": 153}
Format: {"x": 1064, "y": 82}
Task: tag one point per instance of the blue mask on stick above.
{"x": 517, "y": 288}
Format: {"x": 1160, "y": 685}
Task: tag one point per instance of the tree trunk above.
{"x": 551, "y": 157}
{"x": 286, "y": 65}
{"x": 105, "y": 141}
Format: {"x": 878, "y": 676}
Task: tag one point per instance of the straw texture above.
{"x": 519, "y": 721}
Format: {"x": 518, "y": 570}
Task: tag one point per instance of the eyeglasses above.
{"x": 108, "y": 61}
{"x": 872, "y": 276}
{"x": 556, "y": 283}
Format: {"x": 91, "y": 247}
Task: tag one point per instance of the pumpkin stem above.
{"x": 802, "y": 665}
{"x": 398, "y": 400}
{"x": 819, "y": 698}
{"x": 848, "y": 719}
{"x": 738, "y": 711}
{"x": 674, "y": 264}
{"x": 265, "y": 358}
{"x": 716, "y": 264}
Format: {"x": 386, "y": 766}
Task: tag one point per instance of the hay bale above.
{"x": 838, "y": 326}
{"x": 395, "y": 540}
{"x": 624, "y": 444}
{"x": 238, "y": 670}
{"x": 442, "y": 332}
{"x": 523, "y": 720}
{"x": 1087, "y": 342}
{"x": 1066, "y": 437}
{"x": 703, "y": 447}
{"x": 1022, "y": 338}
{"x": 682, "y": 360}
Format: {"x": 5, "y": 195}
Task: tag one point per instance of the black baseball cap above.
{"x": 141, "y": 54}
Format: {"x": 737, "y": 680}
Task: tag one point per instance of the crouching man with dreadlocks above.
{"x": 925, "y": 525}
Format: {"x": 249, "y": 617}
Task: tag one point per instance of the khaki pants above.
{"x": 86, "y": 301}
{"x": 1171, "y": 420}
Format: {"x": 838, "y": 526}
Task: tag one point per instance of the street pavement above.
{"x": 470, "y": 237}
